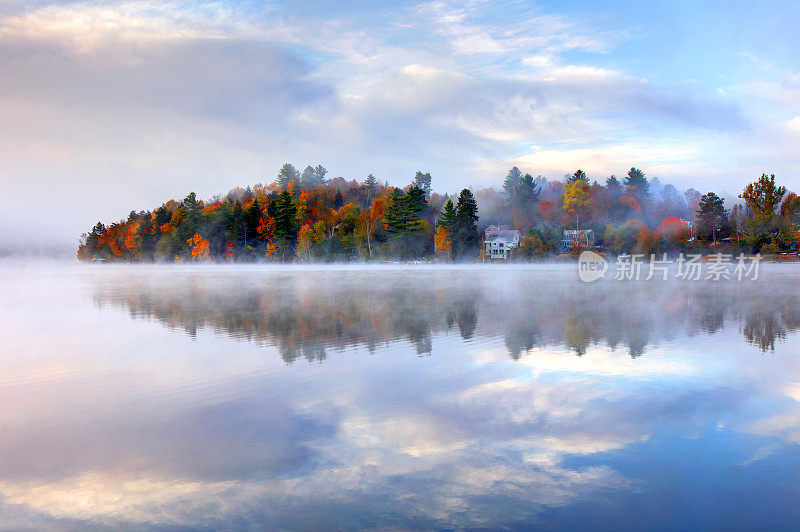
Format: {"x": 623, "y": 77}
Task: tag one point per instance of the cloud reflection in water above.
{"x": 498, "y": 424}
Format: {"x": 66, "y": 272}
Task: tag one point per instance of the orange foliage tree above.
{"x": 305, "y": 239}
{"x": 371, "y": 219}
{"x": 442, "y": 241}
{"x": 631, "y": 203}
{"x": 199, "y": 246}
{"x": 132, "y": 238}
{"x": 111, "y": 239}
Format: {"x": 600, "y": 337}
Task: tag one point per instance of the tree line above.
{"x": 306, "y": 216}
{"x": 299, "y": 216}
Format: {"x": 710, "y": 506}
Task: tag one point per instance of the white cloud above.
{"x": 175, "y": 96}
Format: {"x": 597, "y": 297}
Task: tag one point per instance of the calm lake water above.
{"x": 395, "y": 398}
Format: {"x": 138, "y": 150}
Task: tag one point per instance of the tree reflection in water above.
{"x": 307, "y": 313}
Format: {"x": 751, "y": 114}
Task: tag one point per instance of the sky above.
{"x": 108, "y": 107}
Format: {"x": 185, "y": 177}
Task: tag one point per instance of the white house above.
{"x": 498, "y": 241}
{"x": 576, "y": 240}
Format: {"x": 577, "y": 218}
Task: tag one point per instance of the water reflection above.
{"x": 307, "y": 316}
{"x": 113, "y": 422}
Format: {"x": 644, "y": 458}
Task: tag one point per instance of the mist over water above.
{"x": 395, "y": 397}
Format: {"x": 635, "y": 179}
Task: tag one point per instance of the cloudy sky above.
{"x": 111, "y": 106}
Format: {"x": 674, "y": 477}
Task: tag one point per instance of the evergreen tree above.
{"x": 403, "y": 214}
{"x": 465, "y": 236}
{"x": 416, "y": 204}
{"x": 527, "y": 192}
{"x": 396, "y": 217}
{"x": 512, "y": 181}
{"x": 338, "y": 200}
{"x": 371, "y": 184}
{"x": 614, "y": 187}
{"x": 93, "y": 238}
{"x": 252, "y": 218}
{"x": 525, "y": 201}
{"x": 192, "y": 215}
{"x": 636, "y": 185}
{"x": 308, "y": 179}
{"x": 162, "y": 215}
{"x": 448, "y": 217}
{"x": 319, "y": 175}
{"x": 236, "y": 223}
{"x": 579, "y": 174}
{"x": 285, "y": 225}
{"x": 712, "y": 218}
{"x": 286, "y": 174}
{"x": 423, "y": 181}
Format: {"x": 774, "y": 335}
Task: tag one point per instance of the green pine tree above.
{"x": 466, "y": 239}
{"x": 512, "y": 182}
{"x": 395, "y": 216}
{"x": 286, "y": 174}
{"x": 423, "y": 181}
{"x": 636, "y": 185}
{"x": 338, "y": 200}
{"x": 285, "y": 226}
{"x": 447, "y": 218}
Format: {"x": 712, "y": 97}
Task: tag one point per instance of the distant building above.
{"x": 576, "y": 240}
{"x": 498, "y": 241}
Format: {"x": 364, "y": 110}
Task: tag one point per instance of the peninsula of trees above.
{"x": 304, "y": 216}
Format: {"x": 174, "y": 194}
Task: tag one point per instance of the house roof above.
{"x": 509, "y": 235}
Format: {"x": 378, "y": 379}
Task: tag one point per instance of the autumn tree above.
{"x": 790, "y": 220}
{"x": 674, "y": 230}
{"x": 443, "y": 242}
{"x": 576, "y": 198}
{"x": 305, "y": 239}
{"x": 531, "y": 246}
{"x": 763, "y": 197}
{"x": 338, "y": 218}
{"x": 370, "y": 220}
{"x": 763, "y": 200}
{"x": 198, "y": 246}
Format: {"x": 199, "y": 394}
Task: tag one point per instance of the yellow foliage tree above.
{"x": 576, "y": 197}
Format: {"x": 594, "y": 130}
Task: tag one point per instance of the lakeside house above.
{"x": 576, "y": 240}
{"x": 498, "y": 241}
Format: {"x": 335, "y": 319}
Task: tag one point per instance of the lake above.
{"x": 336, "y": 397}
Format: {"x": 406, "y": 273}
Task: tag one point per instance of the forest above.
{"x": 305, "y": 216}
